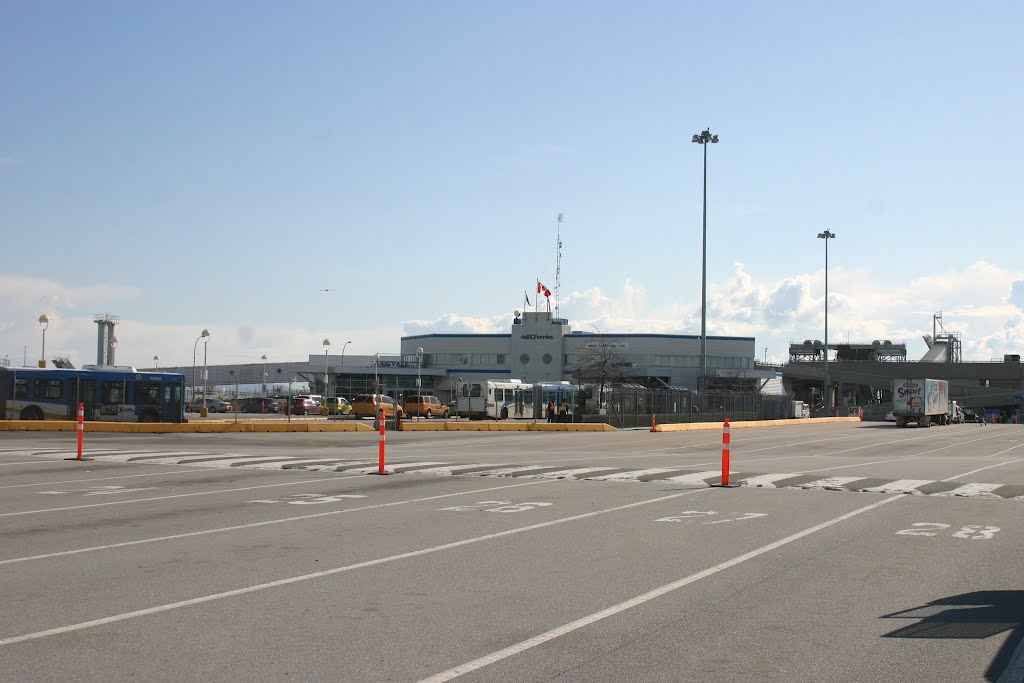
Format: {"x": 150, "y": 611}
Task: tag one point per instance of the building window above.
{"x": 547, "y": 359}
{"x": 524, "y": 358}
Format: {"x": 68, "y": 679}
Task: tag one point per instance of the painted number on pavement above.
{"x": 696, "y": 515}
{"x": 497, "y": 506}
{"x": 306, "y": 499}
{"x": 970, "y": 531}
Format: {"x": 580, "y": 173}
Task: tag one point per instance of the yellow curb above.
{"x": 423, "y": 427}
{"x": 748, "y": 424}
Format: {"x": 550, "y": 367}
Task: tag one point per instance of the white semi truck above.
{"x": 922, "y": 401}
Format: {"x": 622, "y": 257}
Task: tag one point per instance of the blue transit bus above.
{"x": 109, "y": 394}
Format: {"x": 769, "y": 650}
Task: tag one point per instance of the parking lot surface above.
{"x": 852, "y": 552}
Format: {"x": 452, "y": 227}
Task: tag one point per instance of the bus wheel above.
{"x": 32, "y": 413}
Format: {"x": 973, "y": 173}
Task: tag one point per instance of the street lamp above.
{"x": 343, "y": 351}
{"x": 327, "y": 347}
{"x": 827, "y": 398}
{"x": 704, "y": 138}
{"x": 204, "y": 412}
{"x": 264, "y": 359}
{"x": 206, "y": 333}
{"x": 156, "y": 362}
{"x": 419, "y": 375}
{"x": 44, "y": 321}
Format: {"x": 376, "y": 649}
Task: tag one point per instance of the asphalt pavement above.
{"x": 515, "y": 556}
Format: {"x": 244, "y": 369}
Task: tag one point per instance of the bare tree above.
{"x": 602, "y": 365}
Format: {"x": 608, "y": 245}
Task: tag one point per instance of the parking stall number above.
{"x": 697, "y": 515}
{"x": 496, "y": 506}
{"x": 974, "y": 532}
{"x": 307, "y": 499}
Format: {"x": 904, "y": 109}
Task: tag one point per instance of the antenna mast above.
{"x": 558, "y": 264}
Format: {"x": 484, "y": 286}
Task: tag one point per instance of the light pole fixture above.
{"x": 419, "y": 374}
{"x": 827, "y": 398}
{"x": 206, "y": 333}
{"x": 44, "y": 322}
{"x": 327, "y": 347}
{"x": 343, "y": 351}
{"x": 704, "y": 138}
{"x": 156, "y": 362}
{"x": 206, "y": 376}
{"x": 264, "y": 359}
{"x": 113, "y": 350}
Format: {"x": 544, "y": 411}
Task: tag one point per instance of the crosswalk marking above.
{"x": 766, "y": 481}
{"x": 899, "y": 486}
{"x": 972, "y": 491}
{"x": 830, "y": 483}
{"x": 632, "y": 474}
{"x": 697, "y": 478}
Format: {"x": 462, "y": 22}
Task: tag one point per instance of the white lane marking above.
{"x": 973, "y": 491}
{"x": 530, "y": 643}
{"x": 280, "y": 465}
{"x": 981, "y": 469}
{"x": 696, "y": 478}
{"x": 178, "y": 495}
{"x": 575, "y": 472}
{"x": 830, "y": 483}
{"x": 879, "y": 462}
{"x": 123, "y": 456}
{"x": 767, "y": 481}
{"x": 253, "y": 525}
{"x": 505, "y": 471}
{"x": 899, "y": 486}
{"x": 633, "y": 474}
{"x": 79, "y": 481}
{"x": 337, "y": 570}
{"x": 448, "y": 469}
{"x": 33, "y": 462}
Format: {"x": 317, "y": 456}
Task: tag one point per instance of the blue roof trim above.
{"x": 456, "y": 371}
{"x": 450, "y": 336}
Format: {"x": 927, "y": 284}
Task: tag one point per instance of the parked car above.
{"x": 425, "y": 406}
{"x": 213, "y": 405}
{"x": 889, "y": 417}
{"x": 261, "y": 405}
{"x": 367, "y": 405}
{"x": 337, "y": 405}
{"x": 304, "y": 405}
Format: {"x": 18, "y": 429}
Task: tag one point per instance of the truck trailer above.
{"x": 922, "y": 401}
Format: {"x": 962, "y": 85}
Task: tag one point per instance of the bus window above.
{"x": 147, "y": 393}
{"x": 113, "y": 392}
{"x": 49, "y": 388}
{"x": 20, "y": 388}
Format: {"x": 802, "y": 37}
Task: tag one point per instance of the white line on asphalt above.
{"x": 31, "y": 462}
{"x": 899, "y": 486}
{"x": 632, "y": 474}
{"x": 830, "y": 483}
{"x": 78, "y": 481}
{"x": 980, "y": 469}
{"x": 639, "y": 600}
{"x": 697, "y": 478}
{"x": 337, "y": 570}
{"x": 253, "y": 525}
{"x": 767, "y": 481}
{"x": 177, "y": 495}
{"x": 972, "y": 491}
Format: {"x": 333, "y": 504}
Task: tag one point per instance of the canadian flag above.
{"x": 541, "y": 289}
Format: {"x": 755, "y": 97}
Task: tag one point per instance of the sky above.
{"x": 281, "y": 173}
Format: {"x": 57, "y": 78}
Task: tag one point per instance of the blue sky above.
{"x": 217, "y": 164}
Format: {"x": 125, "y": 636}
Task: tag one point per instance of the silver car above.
{"x": 213, "y": 405}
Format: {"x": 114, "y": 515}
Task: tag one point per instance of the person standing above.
{"x": 551, "y": 410}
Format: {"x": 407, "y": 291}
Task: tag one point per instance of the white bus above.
{"x": 512, "y": 399}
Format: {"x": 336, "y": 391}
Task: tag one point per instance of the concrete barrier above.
{"x": 749, "y": 424}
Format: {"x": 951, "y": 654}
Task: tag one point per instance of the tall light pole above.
{"x": 343, "y": 351}
{"x": 156, "y": 362}
{"x": 44, "y": 322}
{"x": 204, "y": 412}
{"x": 419, "y": 373}
{"x": 704, "y": 138}
{"x": 827, "y": 398}
{"x": 264, "y": 359}
{"x": 327, "y": 347}
{"x": 206, "y": 333}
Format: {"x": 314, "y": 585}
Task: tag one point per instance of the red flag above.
{"x": 547, "y": 292}
{"x": 540, "y": 287}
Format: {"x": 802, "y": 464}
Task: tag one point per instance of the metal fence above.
{"x": 633, "y": 407}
